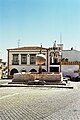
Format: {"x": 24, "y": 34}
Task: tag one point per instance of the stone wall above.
{"x": 35, "y": 76}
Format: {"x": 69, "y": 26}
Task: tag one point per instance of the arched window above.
{"x": 13, "y": 71}
{"x": 32, "y": 70}
{"x": 43, "y": 70}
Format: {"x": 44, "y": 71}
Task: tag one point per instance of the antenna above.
{"x": 60, "y": 37}
{"x": 18, "y": 43}
{"x": 41, "y": 49}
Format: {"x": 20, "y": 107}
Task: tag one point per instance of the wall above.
{"x": 69, "y": 70}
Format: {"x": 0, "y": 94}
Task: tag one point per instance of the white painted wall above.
{"x": 69, "y": 70}
{"x": 27, "y": 66}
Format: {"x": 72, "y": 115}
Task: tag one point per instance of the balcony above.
{"x": 15, "y": 62}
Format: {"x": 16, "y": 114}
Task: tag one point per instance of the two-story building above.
{"x": 24, "y": 59}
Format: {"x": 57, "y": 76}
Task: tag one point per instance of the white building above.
{"x": 3, "y": 69}
{"x": 57, "y": 59}
{"x": 24, "y": 59}
{"x": 71, "y": 62}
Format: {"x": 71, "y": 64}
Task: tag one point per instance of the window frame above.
{"x": 32, "y": 56}
{"x": 22, "y": 57}
{"x": 15, "y": 60}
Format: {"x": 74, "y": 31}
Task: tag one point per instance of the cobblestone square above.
{"x": 39, "y": 103}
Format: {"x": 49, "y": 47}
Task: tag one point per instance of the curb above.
{"x": 50, "y": 86}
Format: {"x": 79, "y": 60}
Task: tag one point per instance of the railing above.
{"x": 71, "y": 63}
{"x": 55, "y": 63}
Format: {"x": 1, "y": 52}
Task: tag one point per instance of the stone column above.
{"x": 19, "y": 59}
{"x": 28, "y": 59}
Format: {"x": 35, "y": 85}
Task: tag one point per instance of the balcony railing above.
{"x": 15, "y": 62}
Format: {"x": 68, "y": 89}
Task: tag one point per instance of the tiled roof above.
{"x": 28, "y": 48}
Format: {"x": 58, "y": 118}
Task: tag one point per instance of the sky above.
{"x": 32, "y": 22}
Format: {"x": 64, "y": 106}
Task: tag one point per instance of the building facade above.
{"x": 3, "y": 69}
{"x": 71, "y": 63}
{"x": 57, "y": 60}
{"x": 24, "y": 59}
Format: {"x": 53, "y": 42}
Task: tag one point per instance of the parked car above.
{"x": 77, "y": 78}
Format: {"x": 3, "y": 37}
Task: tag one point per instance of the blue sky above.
{"x": 39, "y": 21}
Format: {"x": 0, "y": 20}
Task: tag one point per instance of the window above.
{"x": 0, "y": 66}
{"x": 24, "y": 59}
{"x": 66, "y": 59}
{"x": 54, "y": 69}
{"x": 15, "y": 60}
{"x": 4, "y": 63}
{"x": 33, "y": 59}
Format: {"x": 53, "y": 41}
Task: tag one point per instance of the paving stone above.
{"x": 40, "y": 103}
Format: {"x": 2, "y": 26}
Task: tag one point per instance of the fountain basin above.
{"x": 36, "y": 78}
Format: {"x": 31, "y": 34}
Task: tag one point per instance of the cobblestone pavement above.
{"x": 23, "y": 103}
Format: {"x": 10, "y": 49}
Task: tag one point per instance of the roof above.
{"x": 71, "y": 50}
{"x": 28, "y": 48}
